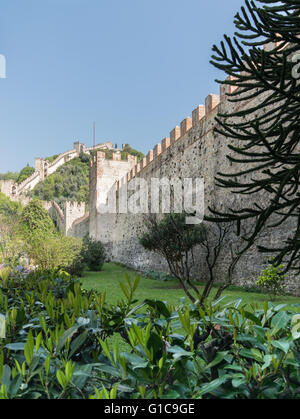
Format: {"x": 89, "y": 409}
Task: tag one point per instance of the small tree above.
{"x": 272, "y": 279}
{"x": 9, "y": 208}
{"x": 173, "y": 239}
{"x": 93, "y": 254}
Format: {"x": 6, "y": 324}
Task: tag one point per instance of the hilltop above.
{"x": 69, "y": 181}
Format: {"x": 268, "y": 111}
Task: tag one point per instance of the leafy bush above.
{"x": 127, "y": 150}
{"x": 93, "y": 254}
{"x": 11, "y": 241}
{"x": 223, "y": 353}
{"x": 77, "y": 266}
{"x": 56, "y": 345}
{"x": 9, "y": 207}
{"x": 272, "y": 279}
{"x": 35, "y": 217}
{"x": 52, "y": 348}
{"x": 25, "y": 173}
{"x": 51, "y": 158}
{"x": 84, "y": 158}
{"x": 51, "y": 252}
{"x": 69, "y": 183}
{"x": 30, "y": 234}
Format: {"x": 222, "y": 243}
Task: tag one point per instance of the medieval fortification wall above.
{"x": 192, "y": 150}
{"x": 43, "y": 169}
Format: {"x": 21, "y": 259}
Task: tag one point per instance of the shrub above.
{"x": 84, "y": 158}
{"x": 25, "y": 173}
{"x": 9, "y": 176}
{"x": 8, "y": 207}
{"x": 93, "y": 254}
{"x": 52, "y": 158}
{"x": 78, "y": 264}
{"x": 35, "y": 217}
{"x": 272, "y": 279}
{"x": 55, "y": 357}
{"x": 159, "y": 276}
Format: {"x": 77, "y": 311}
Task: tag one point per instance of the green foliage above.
{"x": 84, "y": 158}
{"x": 25, "y": 173}
{"x": 69, "y": 183}
{"x": 171, "y": 236}
{"x": 45, "y": 247}
{"x": 159, "y": 276}
{"x": 29, "y": 232}
{"x": 76, "y": 265}
{"x": 56, "y": 355}
{"x": 9, "y": 207}
{"x": 175, "y": 240}
{"x": 35, "y": 218}
{"x": 272, "y": 279}
{"x": 52, "y": 158}
{"x": 127, "y": 150}
{"x": 264, "y": 134}
{"x": 11, "y": 243}
{"x": 93, "y": 254}
{"x": 57, "y": 345}
{"x": 53, "y": 251}
{"x": 9, "y": 176}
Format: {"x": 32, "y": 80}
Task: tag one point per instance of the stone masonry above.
{"x": 192, "y": 150}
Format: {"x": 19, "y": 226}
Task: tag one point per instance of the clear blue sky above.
{"x": 136, "y": 67}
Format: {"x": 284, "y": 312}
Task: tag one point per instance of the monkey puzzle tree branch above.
{"x": 263, "y": 126}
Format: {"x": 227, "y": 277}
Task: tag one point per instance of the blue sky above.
{"x": 136, "y": 67}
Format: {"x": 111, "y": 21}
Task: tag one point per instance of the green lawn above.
{"x": 108, "y": 280}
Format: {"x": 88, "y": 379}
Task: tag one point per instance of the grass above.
{"x": 108, "y": 280}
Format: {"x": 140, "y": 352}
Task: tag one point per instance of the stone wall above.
{"x": 192, "y": 150}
